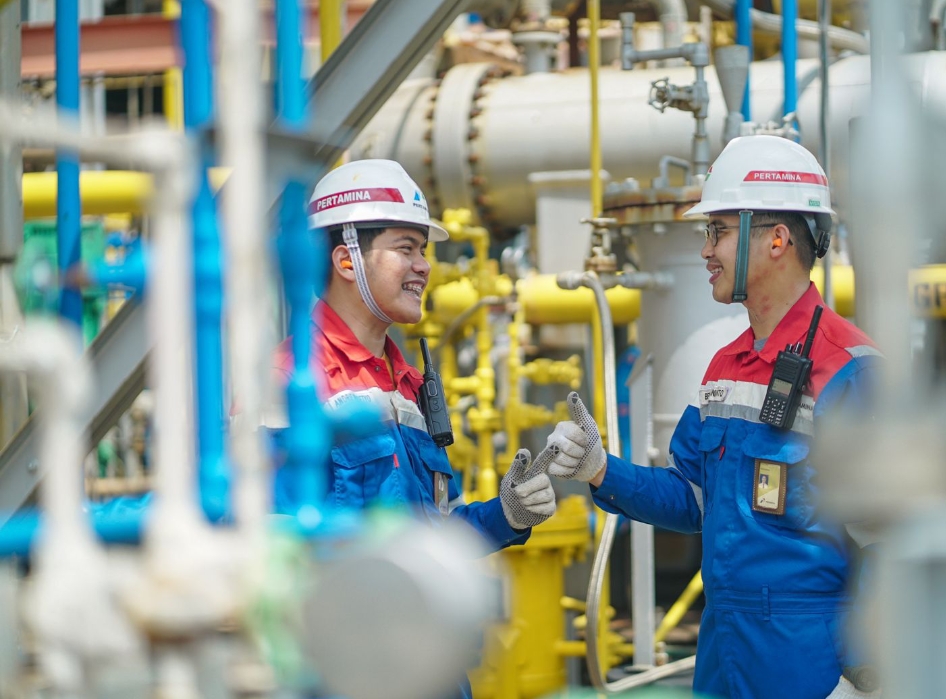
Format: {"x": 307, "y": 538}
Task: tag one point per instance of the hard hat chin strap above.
{"x": 350, "y": 236}
{"x": 742, "y": 258}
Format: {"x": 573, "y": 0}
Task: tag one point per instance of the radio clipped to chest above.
{"x": 433, "y": 402}
{"x": 789, "y": 378}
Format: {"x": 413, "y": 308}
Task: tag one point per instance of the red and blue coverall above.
{"x": 777, "y": 586}
{"x": 397, "y": 465}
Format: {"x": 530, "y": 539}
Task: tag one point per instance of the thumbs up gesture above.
{"x": 576, "y": 444}
{"x": 526, "y": 491}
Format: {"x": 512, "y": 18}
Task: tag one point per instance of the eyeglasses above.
{"x": 711, "y": 231}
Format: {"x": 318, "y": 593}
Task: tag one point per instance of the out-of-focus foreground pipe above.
{"x": 241, "y": 122}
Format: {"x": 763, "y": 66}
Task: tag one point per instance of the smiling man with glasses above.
{"x": 778, "y": 572}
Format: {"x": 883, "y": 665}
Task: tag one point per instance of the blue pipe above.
{"x": 124, "y": 522}
{"x": 790, "y": 54}
{"x": 303, "y": 265}
{"x": 290, "y": 91}
{"x": 18, "y": 533}
{"x": 69, "y": 204}
{"x": 744, "y": 38}
{"x": 213, "y": 463}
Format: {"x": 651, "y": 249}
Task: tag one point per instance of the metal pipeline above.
{"x": 68, "y": 213}
{"x": 503, "y": 133}
{"x": 743, "y": 16}
{"x": 571, "y": 280}
{"x": 790, "y": 55}
{"x": 841, "y": 39}
{"x": 304, "y": 264}
{"x": 594, "y": 66}
{"x": 213, "y": 466}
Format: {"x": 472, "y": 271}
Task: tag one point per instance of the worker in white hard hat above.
{"x": 779, "y": 574}
{"x": 378, "y": 225}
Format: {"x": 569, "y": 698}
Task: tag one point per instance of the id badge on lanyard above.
{"x": 441, "y": 493}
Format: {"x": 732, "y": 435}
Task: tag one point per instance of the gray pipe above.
{"x": 840, "y": 38}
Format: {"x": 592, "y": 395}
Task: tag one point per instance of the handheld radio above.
{"x": 791, "y": 372}
{"x": 433, "y": 402}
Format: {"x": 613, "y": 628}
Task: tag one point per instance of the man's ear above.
{"x": 341, "y": 261}
{"x": 780, "y": 241}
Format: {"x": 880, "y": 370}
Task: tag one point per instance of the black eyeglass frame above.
{"x": 711, "y": 231}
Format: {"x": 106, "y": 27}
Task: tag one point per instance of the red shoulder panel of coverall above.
{"x": 340, "y": 362}
{"x": 836, "y": 342}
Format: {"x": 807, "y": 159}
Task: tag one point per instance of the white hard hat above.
{"x": 371, "y": 192}
{"x": 766, "y": 173}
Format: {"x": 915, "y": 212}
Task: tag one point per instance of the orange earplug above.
{"x": 346, "y": 264}
{"x": 777, "y": 243}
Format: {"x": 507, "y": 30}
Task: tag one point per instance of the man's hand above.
{"x": 577, "y": 445}
{"x": 526, "y": 491}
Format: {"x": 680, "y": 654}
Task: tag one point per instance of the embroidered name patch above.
{"x": 713, "y": 394}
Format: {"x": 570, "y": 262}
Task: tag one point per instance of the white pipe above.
{"x": 241, "y": 121}
{"x": 840, "y": 38}
{"x": 71, "y": 603}
{"x": 517, "y": 117}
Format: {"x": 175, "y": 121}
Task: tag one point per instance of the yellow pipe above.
{"x": 102, "y": 191}
{"x": 547, "y": 304}
{"x": 330, "y": 26}
{"x": 680, "y": 607}
{"x": 594, "y": 61}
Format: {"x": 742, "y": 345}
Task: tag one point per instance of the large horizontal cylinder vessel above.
{"x": 473, "y": 139}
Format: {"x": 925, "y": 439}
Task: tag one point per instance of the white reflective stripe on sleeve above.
{"x": 864, "y": 351}
{"x": 697, "y": 490}
{"x": 743, "y": 400}
{"x": 374, "y": 396}
{"x": 407, "y": 412}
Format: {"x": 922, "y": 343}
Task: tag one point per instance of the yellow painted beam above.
{"x": 330, "y": 26}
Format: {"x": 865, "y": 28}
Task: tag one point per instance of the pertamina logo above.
{"x": 786, "y": 176}
{"x": 419, "y": 201}
{"x": 356, "y": 196}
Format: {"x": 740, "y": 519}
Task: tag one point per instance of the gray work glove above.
{"x": 577, "y": 442}
{"x": 846, "y": 690}
{"x": 526, "y": 491}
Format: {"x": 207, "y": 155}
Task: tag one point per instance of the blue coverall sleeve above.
{"x": 671, "y": 497}
{"x": 488, "y": 519}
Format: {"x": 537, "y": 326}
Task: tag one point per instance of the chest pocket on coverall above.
{"x": 428, "y": 460}
{"x": 364, "y": 471}
{"x": 710, "y": 446}
{"x": 790, "y": 448}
